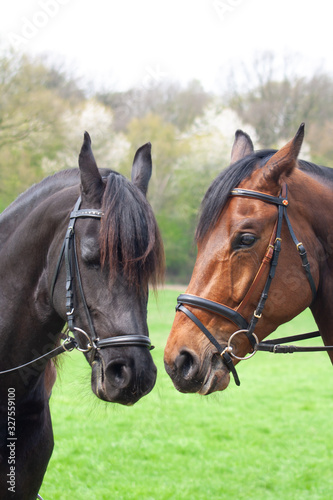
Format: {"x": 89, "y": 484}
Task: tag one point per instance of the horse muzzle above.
{"x": 191, "y": 375}
{"x": 124, "y": 376}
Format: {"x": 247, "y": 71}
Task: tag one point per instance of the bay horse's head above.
{"x": 117, "y": 251}
{"x": 239, "y": 238}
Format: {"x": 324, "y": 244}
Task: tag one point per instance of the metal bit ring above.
{"x": 230, "y": 347}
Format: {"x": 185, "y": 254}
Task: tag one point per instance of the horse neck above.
{"x": 317, "y": 204}
{"x": 21, "y": 208}
{"x": 28, "y": 322}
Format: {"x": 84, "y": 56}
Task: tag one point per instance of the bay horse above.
{"x": 265, "y": 253}
{"x": 79, "y": 248}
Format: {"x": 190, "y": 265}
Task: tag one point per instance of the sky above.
{"x": 118, "y": 44}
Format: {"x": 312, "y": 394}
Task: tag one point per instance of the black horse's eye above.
{"x": 90, "y": 253}
{"x": 244, "y": 240}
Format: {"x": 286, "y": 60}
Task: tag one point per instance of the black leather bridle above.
{"x": 93, "y": 344}
{"x": 68, "y": 252}
{"x": 271, "y": 258}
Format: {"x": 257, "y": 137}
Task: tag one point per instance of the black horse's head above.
{"x": 117, "y": 257}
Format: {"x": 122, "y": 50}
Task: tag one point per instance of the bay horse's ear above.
{"x": 142, "y": 168}
{"x": 282, "y": 163}
{"x": 242, "y": 146}
{"x": 91, "y": 180}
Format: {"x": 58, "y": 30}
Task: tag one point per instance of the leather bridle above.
{"x": 68, "y": 252}
{"x": 235, "y": 315}
{"x": 93, "y": 343}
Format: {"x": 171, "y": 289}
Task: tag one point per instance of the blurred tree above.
{"x": 275, "y": 100}
{"x": 174, "y": 104}
{"x": 53, "y": 76}
{"x": 109, "y": 147}
{"x": 167, "y": 150}
{"x": 30, "y": 125}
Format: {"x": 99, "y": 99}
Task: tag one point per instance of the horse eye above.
{"x": 90, "y": 253}
{"x": 244, "y": 240}
{"x": 94, "y": 264}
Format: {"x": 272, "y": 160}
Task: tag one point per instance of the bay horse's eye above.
{"x": 244, "y": 240}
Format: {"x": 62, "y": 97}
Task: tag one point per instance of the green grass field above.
{"x": 270, "y": 438}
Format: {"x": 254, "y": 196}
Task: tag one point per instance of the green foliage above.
{"x": 269, "y": 439}
{"x": 30, "y": 125}
{"x": 178, "y": 237}
{"x": 167, "y": 150}
{"x": 276, "y": 102}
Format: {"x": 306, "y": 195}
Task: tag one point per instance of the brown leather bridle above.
{"x": 270, "y": 260}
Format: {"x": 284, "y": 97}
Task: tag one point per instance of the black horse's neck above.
{"x": 17, "y": 211}
{"x": 29, "y": 229}
{"x": 28, "y": 328}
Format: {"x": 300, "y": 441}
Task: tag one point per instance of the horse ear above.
{"x": 242, "y": 146}
{"x": 142, "y": 168}
{"x": 91, "y": 180}
{"x": 283, "y": 162}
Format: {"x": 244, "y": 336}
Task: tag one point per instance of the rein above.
{"x": 234, "y": 315}
{"x": 69, "y": 255}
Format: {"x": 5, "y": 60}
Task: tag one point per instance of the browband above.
{"x": 267, "y": 198}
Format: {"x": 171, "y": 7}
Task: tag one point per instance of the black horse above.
{"x": 79, "y": 248}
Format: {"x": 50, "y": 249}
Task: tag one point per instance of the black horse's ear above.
{"x": 242, "y": 146}
{"x": 91, "y": 180}
{"x": 142, "y": 168}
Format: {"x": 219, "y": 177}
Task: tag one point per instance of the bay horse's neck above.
{"x": 316, "y": 198}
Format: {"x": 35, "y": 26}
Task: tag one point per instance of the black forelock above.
{"x": 130, "y": 239}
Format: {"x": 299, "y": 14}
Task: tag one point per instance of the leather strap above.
{"x": 263, "y": 267}
{"x": 200, "y": 325}
{"x": 125, "y": 340}
{"x": 225, "y": 355}
{"x": 267, "y": 198}
{"x": 86, "y": 213}
{"x": 277, "y": 248}
{"x": 273, "y": 345}
{"x": 68, "y": 345}
{"x": 302, "y": 254}
{"x": 215, "y": 307}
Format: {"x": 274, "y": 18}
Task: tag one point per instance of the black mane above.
{"x": 130, "y": 240}
{"x": 218, "y": 192}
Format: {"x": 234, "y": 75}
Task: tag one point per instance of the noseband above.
{"x": 234, "y": 315}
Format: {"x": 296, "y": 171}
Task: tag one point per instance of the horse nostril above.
{"x": 118, "y": 374}
{"x": 186, "y": 364}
